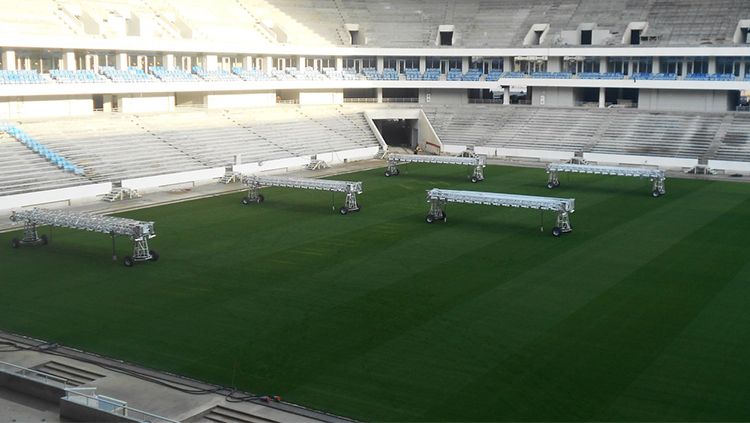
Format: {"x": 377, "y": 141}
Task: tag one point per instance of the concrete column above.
{"x": 602, "y": 97}
{"x": 168, "y": 61}
{"x": 743, "y": 69}
{"x": 422, "y": 64}
{"x": 301, "y": 63}
{"x": 712, "y": 64}
{"x": 508, "y": 64}
{"x": 107, "y": 103}
{"x": 603, "y": 65}
{"x": 630, "y": 67}
{"x": 210, "y": 62}
{"x": 247, "y": 62}
{"x": 656, "y": 64}
{"x": 121, "y": 61}
{"x": 69, "y": 60}
{"x": 379, "y": 64}
{"x": 380, "y": 94}
{"x": 465, "y": 64}
{"x": 9, "y": 60}
{"x": 269, "y": 65}
{"x": 339, "y": 64}
{"x": 554, "y": 64}
{"x": 506, "y": 95}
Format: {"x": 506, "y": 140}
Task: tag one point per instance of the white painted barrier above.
{"x": 338, "y": 157}
{"x": 543, "y": 155}
{"x": 453, "y": 148}
{"x": 89, "y": 191}
{"x": 668, "y": 162}
{"x": 152, "y": 183}
{"x": 728, "y": 165}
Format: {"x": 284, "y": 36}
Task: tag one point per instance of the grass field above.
{"x": 641, "y": 313}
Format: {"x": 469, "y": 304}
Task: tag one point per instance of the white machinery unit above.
{"x": 656, "y": 175}
{"x": 477, "y": 162}
{"x": 438, "y": 198}
{"x": 139, "y": 232}
{"x": 351, "y": 189}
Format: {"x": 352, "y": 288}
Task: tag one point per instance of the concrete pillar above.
{"x": 9, "y": 60}
{"x": 301, "y": 63}
{"x": 380, "y": 94}
{"x": 630, "y": 67}
{"x": 210, "y": 62}
{"x": 712, "y": 64}
{"x": 339, "y": 64}
{"x": 168, "y": 61}
{"x": 379, "y": 64}
{"x": 603, "y": 65}
{"x": 656, "y": 64}
{"x": 247, "y": 62}
{"x": 554, "y": 64}
{"x": 69, "y": 60}
{"x": 422, "y": 64}
{"x": 269, "y": 65}
{"x": 743, "y": 69}
{"x": 506, "y": 95}
{"x": 508, "y": 65}
{"x": 107, "y": 103}
{"x": 121, "y": 61}
{"x": 602, "y": 97}
{"x": 465, "y": 64}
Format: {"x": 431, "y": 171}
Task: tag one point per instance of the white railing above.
{"x": 89, "y": 398}
{"x": 34, "y": 375}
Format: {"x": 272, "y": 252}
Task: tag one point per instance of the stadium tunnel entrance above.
{"x": 399, "y": 132}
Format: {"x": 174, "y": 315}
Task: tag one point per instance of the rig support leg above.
{"x": 392, "y": 169}
{"x": 553, "y": 181}
{"x": 253, "y": 195}
{"x": 563, "y": 221}
{"x": 437, "y": 211}
{"x": 659, "y": 186}
{"x": 140, "y": 249}
{"x": 30, "y": 234}
{"x": 478, "y": 173}
{"x": 351, "y": 202}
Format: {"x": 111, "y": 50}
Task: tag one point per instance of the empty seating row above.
{"x": 39, "y": 148}
{"x": 76, "y": 76}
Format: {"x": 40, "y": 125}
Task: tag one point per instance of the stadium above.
{"x": 236, "y": 211}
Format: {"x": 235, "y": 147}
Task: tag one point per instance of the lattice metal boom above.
{"x": 351, "y": 189}
{"x": 478, "y": 162}
{"x": 438, "y": 198}
{"x": 657, "y": 176}
{"x": 138, "y": 231}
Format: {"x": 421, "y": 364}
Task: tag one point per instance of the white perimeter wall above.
{"x": 687, "y": 101}
{"x": 146, "y": 103}
{"x": 321, "y": 97}
{"x": 30, "y": 107}
{"x": 72, "y": 194}
{"x": 153, "y": 183}
{"x": 220, "y": 101}
{"x": 728, "y": 165}
{"x": 668, "y": 162}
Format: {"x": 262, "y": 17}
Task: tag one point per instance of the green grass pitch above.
{"x": 641, "y": 313}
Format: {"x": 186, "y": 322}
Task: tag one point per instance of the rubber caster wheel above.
{"x": 474, "y": 179}
{"x": 128, "y": 262}
{"x": 550, "y": 185}
{"x": 154, "y": 255}
{"x": 655, "y": 194}
{"x": 387, "y": 174}
{"x": 15, "y": 243}
{"x": 260, "y": 199}
{"x": 343, "y": 211}
{"x": 45, "y": 239}
{"x": 556, "y": 232}
{"x": 430, "y": 218}
{"x": 245, "y": 201}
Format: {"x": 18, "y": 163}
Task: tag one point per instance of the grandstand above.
{"x": 162, "y": 108}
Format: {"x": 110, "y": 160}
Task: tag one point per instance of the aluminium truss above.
{"x": 139, "y": 232}
{"x": 656, "y": 175}
{"x": 478, "y": 162}
{"x": 438, "y": 198}
{"x": 351, "y": 189}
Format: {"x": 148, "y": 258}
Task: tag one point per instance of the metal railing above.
{"x": 400, "y": 100}
{"x": 34, "y": 375}
{"x": 89, "y": 398}
{"x": 360, "y": 100}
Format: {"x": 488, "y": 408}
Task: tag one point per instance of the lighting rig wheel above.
{"x": 556, "y": 232}
{"x": 45, "y": 239}
{"x": 343, "y": 210}
{"x": 128, "y": 262}
{"x": 245, "y": 201}
{"x": 474, "y": 179}
{"x": 15, "y": 243}
{"x": 387, "y": 173}
{"x": 396, "y": 172}
{"x": 154, "y": 255}
{"x": 550, "y": 185}
{"x": 261, "y": 198}
{"x": 655, "y": 193}
{"x": 430, "y": 218}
